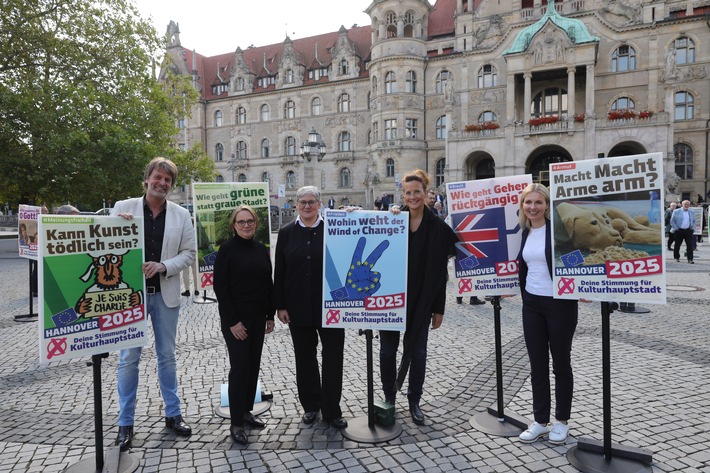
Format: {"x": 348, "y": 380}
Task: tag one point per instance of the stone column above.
{"x": 589, "y": 92}
{"x": 510, "y": 102}
{"x": 527, "y": 96}
{"x": 570, "y": 93}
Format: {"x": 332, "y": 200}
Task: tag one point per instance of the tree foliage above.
{"x": 81, "y": 113}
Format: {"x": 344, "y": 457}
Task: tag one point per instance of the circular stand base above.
{"x": 491, "y": 425}
{"x": 594, "y": 462}
{"x": 26, "y": 318}
{"x": 203, "y": 300}
{"x": 127, "y": 464}
{"x": 259, "y": 408}
{"x": 635, "y": 310}
{"x": 359, "y": 431}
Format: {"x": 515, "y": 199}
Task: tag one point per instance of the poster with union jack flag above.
{"x": 484, "y": 216}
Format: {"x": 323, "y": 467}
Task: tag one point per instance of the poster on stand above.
{"x": 213, "y": 203}
{"x": 365, "y": 270}
{"x": 27, "y": 232}
{"x": 92, "y": 289}
{"x": 608, "y": 229}
{"x": 484, "y": 216}
{"x": 698, "y": 223}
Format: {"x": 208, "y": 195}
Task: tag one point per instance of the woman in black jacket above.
{"x": 431, "y": 243}
{"x": 548, "y": 324}
{"x": 243, "y": 285}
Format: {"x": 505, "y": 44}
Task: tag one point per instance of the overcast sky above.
{"x": 216, "y": 27}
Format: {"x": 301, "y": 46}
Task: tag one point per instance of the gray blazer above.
{"x": 178, "y": 244}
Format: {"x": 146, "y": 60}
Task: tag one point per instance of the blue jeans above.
{"x": 164, "y": 320}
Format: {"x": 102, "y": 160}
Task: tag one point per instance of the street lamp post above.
{"x": 234, "y": 156}
{"x": 314, "y": 147}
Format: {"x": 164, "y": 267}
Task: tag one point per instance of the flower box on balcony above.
{"x": 535, "y": 121}
{"x": 580, "y": 118}
{"x": 482, "y": 126}
{"x": 645, "y": 114}
{"x": 621, "y": 114}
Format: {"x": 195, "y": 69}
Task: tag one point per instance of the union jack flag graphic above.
{"x": 480, "y": 238}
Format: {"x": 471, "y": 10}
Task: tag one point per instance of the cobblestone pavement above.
{"x": 660, "y": 396}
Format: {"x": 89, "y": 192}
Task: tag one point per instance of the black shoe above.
{"x": 238, "y": 435}
{"x": 197, "y": 293}
{"x": 177, "y": 425}
{"x": 691, "y": 262}
{"x": 125, "y": 437}
{"x": 309, "y": 417}
{"x": 417, "y": 414}
{"x": 476, "y": 301}
{"x": 677, "y": 260}
{"x": 459, "y": 300}
{"x": 339, "y": 423}
{"x": 186, "y": 293}
{"x": 253, "y": 421}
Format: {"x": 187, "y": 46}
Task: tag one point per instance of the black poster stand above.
{"x": 203, "y": 299}
{"x": 121, "y": 462}
{"x": 364, "y": 429}
{"x": 494, "y": 421}
{"x": 31, "y": 317}
{"x": 592, "y": 456}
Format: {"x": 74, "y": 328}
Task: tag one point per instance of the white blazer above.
{"x": 178, "y": 244}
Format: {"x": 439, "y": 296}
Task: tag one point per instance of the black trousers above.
{"x": 314, "y": 395}
{"x": 244, "y": 362}
{"x": 548, "y": 326}
{"x": 683, "y": 235}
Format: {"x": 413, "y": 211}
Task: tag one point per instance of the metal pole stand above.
{"x": 120, "y": 462}
{"x": 494, "y": 421}
{"x": 592, "y": 456}
{"x": 31, "y": 317}
{"x": 364, "y": 429}
{"x": 203, "y": 299}
{"x": 631, "y": 308}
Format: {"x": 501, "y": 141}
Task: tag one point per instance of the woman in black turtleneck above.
{"x": 244, "y": 288}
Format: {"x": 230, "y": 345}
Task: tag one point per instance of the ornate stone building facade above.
{"x": 462, "y": 89}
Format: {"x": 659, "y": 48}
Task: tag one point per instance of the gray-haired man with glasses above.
{"x": 298, "y": 294}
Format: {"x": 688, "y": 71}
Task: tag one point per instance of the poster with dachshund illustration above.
{"x": 607, "y": 222}
{"x": 91, "y": 288}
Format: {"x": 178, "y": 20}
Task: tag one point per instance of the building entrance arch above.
{"x": 538, "y": 164}
{"x": 480, "y": 165}
{"x": 626, "y": 148}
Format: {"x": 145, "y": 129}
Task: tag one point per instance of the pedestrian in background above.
{"x": 246, "y": 313}
{"x": 431, "y": 244}
{"x": 667, "y": 219}
{"x": 548, "y": 324}
{"x": 298, "y": 295}
{"x": 683, "y": 227}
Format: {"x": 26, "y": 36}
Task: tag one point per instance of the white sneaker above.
{"x": 534, "y": 432}
{"x": 558, "y": 434}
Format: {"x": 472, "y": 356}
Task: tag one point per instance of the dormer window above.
{"x": 264, "y": 82}
{"x": 344, "y": 68}
{"x": 288, "y": 76}
{"x": 240, "y": 84}
{"x": 316, "y": 74}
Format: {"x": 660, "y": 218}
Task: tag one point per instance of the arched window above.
{"x": 344, "y": 141}
{"x": 218, "y": 152}
{"x": 369, "y": 136}
{"x": 265, "y": 177}
{"x": 344, "y": 103}
{"x": 375, "y": 131}
{"x": 684, "y": 50}
{"x": 439, "y": 173}
{"x": 220, "y": 178}
{"x": 684, "y": 105}
{"x": 241, "y": 150}
{"x": 242, "y": 177}
{"x": 390, "y": 83}
{"x": 623, "y": 59}
{"x": 265, "y": 148}
{"x": 265, "y": 114}
{"x": 683, "y": 160}
{"x": 411, "y": 82}
{"x": 368, "y": 100}
{"x": 391, "y": 22}
{"x": 441, "y": 79}
{"x": 552, "y": 101}
{"x": 290, "y": 180}
{"x": 345, "y": 177}
{"x": 218, "y": 118}
{"x": 344, "y": 67}
{"x": 441, "y": 128}
{"x": 391, "y": 129}
{"x": 389, "y": 167}
{"x": 315, "y": 106}
{"x": 409, "y": 24}
{"x": 289, "y": 109}
{"x": 290, "y": 146}
{"x": 487, "y": 76}
{"x": 623, "y": 103}
{"x": 241, "y": 116}
{"x": 374, "y": 86}
{"x": 487, "y": 116}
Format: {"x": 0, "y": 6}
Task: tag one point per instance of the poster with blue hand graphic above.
{"x": 484, "y": 216}
{"x": 365, "y": 270}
